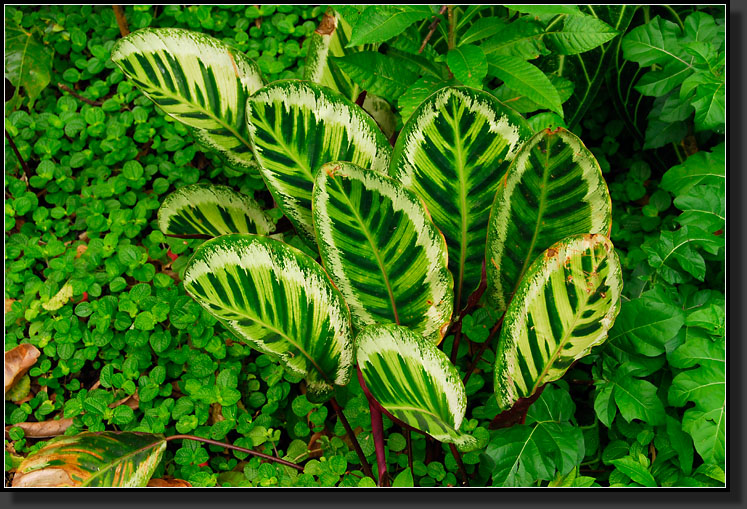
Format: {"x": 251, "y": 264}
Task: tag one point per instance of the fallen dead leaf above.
{"x": 9, "y": 304}
{"x": 80, "y": 250}
{"x": 168, "y": 482}
{"x": 43, "y": 429}
{"x": 18, "y": 361}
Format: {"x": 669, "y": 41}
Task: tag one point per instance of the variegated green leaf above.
{"x": 328, "y": 41}
{"x": 452, "y": 153}
{"x": 553, "y": 189}
{"x": 382, "y": 250}
{"x": 296, "y": 127}
{"x": 197, "y": 80}
{"x": 280, "y": 302}
{"x": 414, "y": 381}
{"x": 211, "y": 210}
{"x": 105, "y": 459}
{"x": 564, "y": 306}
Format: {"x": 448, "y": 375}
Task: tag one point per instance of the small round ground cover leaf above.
{"x": 211, "y": 210}
{"x": 564, "y": 306}
{"x": 295, "y": 127}
{"x": 452, "y": 153}
{"x": 553, "y": 189}
{"x": 105, "y": 459}
{"x": 382, "y": 250}
{"x": 279, "y": 301}
{"x": 414, "y": 381}
{"x": 196, "y": 79}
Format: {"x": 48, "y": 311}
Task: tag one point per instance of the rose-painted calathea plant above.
{"x": 469, "y": 208}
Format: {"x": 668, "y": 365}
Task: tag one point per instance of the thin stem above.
{"x": 75, "y": 94}
{"x": 24, "y": 166}
{"x": 432, "y": 29}
{"x": 452, "y": 24}
{"x": 377, "y": 428}
{"x": 237, "y": 448}
{"x": 121, "y": 20}
{"x": 408, "y": 437}
{"x": 676, "y": 16}
{"x": 455, "y": 346}
{"x": 345, "y": 424}
{"x": 484, "y": 346}
{"x": 460, "y": 464}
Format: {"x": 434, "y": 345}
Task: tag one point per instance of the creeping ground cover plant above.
{"x": 365, "y": 246}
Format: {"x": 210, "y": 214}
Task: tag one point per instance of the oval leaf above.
{"x": 519, "y": 74}
{"x": 197, "y": 80}
{"x": 280, "y": 302}
{"x": 381, "y": 22}
{"x": 105, "y": 459}
{"x": 414, "y": 381}
{"x": 382, "y": 250}
{"x": 295, "y": 128}
{"x": 553, "y": 189}
{"x": 211, "y": 210}
{"x": 452, "y": 153}
{"x": 564, "y": 306}
{"x": 468, "y": 64}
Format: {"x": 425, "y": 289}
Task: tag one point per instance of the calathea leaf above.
{"x": 545, "y": 446}
{"x": 414, "y": 381}
{"x": 280, "y": 302}
{"x": 553, "y": 188}
{"x": 211, "y": 210}
{"x": 382, "y": 250}
{"x": 452, "y": 153}
{"x": 105, "y": 459}
{"x": 295, "y": 127}
{"x": 328, "y": 43}
{"x": 564, "y": 306}
{"x": 197, "y": 80}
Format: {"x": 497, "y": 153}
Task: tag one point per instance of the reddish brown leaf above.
{"x": 168, "y": 482}
{"x": 43, "y": 429}
{"x": 18, "y": 361}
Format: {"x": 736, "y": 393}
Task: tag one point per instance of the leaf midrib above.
{"x": 463, "y": 201}
{"x": 121, "y": 459}
{"x": 374, "y": 249}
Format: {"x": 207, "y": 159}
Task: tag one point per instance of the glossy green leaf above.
{"x": 545, "y": 10}
{"x": 705, "y": 386}
{"x": 654, "y": 43}
{"x": 521, "y": 38}
{"x": 701, "y": 168}
{"x": 579, "y": 34}
{"x": 376, "y": 73}
{"x": 588, "y": 69}
{"x": 564, "y": 306}
{"x": 553, "y": 189}
{"x": 378, "y": 23}
{"x": 637, "y": 472}
{"x": 328, "y": 43}
{"x": 211, "y": 210}
{"x": 418, "y": 92}
{"x": 296, "y": 127}
{"x": 681, "y": 246}
{"x": 637, "y": 399}
{"x": 382, "y": 250}
{"x": 414, "y": 381}
{"x": 468, "y": 64}
{"x": 197, "y": 80}
{"x": 483, "y": 28}
{"x": 703, "y": 206}
{"x": 547, "y": 445}
{"x": 280, "y": 302}
{"x": 452, "y": 153}
{"x": 105, "y": 459}
{"x": 521, "y": 75}
{"x": 28, "y": 63}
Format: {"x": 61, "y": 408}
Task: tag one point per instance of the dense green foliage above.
{"x": 94, "y": 284}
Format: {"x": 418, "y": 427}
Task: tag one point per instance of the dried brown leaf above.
{"x": 43, "y": 429}
{"x": 168, "y": 482}
{"x": 18, "y": 361}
